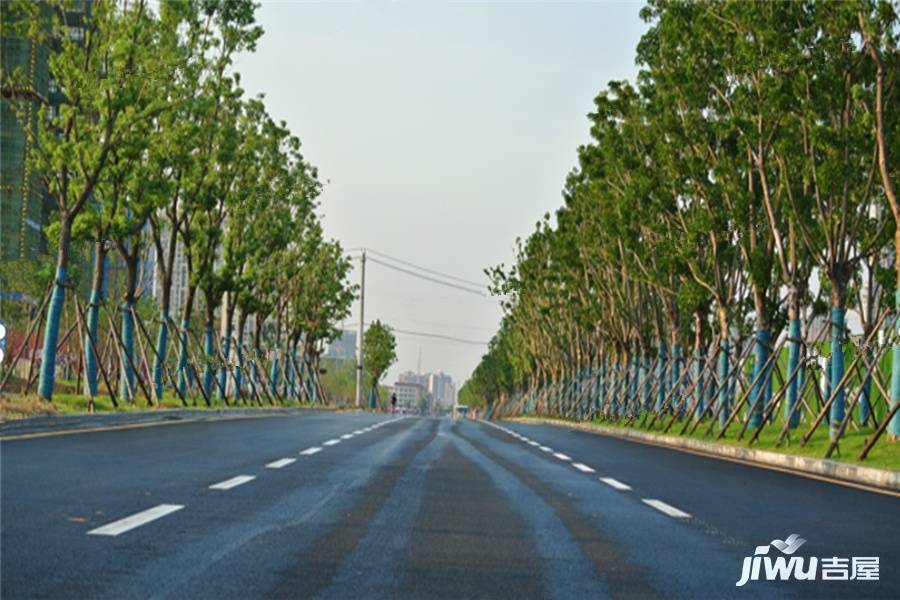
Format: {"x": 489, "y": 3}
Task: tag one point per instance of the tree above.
{"x": 379, "y": 353}
{"x": 107, "y": 79}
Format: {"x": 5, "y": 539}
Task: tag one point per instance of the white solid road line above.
{"x": 546, "y": 449}
{"x": 331, "y": 442}
{"x": 135, "y": 520}
{"x": 583, "y": 468}
{"x": 359, "y": 432}
{"x": 280, "y": 463}
{"x": 232, "y": 483}
{"x": 615, "y": 483}
{"x": 311, "y": 451}
{"x": 666, "y": 508}
{"x": 533, "y": 443}
{"x": 561, "y": 456}
{"x": 346, "y": 436}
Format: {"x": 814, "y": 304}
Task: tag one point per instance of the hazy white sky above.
{"x": 445, "y": 131}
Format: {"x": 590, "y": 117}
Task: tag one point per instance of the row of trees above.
{"x": 741, "y": 191}
{"x": 156, "y": 148}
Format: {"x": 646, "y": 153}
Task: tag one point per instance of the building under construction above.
{"x": 24, "y": 206}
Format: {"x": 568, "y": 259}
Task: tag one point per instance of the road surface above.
{"x": 368, "y": 506}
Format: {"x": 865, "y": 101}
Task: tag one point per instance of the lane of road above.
{"x": 334, "y": 506}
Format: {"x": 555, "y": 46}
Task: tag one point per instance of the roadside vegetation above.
{"x": 727, "y": 257}
{"x": 187, "y": 262}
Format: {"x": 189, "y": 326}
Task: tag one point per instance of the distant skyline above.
{"x": 442, "y": 132}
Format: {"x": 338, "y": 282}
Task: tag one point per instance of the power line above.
{"x": 427, "y": 278}
{"x": 437, "y": 336}
{"x": 421, "y": 268}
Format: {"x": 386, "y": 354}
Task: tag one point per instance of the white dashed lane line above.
{"x": 659, "y": 505}
{"x": 151, "y": 514}
{"x": 615, "y": 483}
{"x": 666, "y": 508}
{"x": 232, "y": 483}
{"x": 136, "y": 520}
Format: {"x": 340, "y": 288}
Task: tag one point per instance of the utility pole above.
{"x": 359, "y": 331}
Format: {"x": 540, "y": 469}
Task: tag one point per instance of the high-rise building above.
{"x": 441, "y": 387}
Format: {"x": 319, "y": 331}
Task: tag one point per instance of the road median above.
{"x": 804, "y": 465}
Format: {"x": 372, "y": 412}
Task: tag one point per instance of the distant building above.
{"x": 410, "y": 377}
{"x": 344, "y": 347}
{"x": 409, "y": 395}
{"x": 179, "y": 279}
{"x": 442, "y": 389}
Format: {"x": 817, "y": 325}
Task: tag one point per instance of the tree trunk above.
{"x": 54, "y": 312}
{"x": 91, "y": 359}
{"x": 184, "y": 374}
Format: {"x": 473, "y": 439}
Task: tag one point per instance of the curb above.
{"x": 870, "y": 476}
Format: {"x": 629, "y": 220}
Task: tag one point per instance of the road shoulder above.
{"x": 838, "y": 472}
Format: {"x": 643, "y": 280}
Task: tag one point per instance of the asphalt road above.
{"x": 367, "y": 506}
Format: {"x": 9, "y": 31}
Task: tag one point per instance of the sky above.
{"x": 442, "y": 131}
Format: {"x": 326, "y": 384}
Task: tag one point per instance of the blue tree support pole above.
{"x": 723, "y": 408}
{"x": 633, "y": 401}
{"x": 273, "y": 375}
{"x": 239, "y": 366}
{"x": 126, "y": 380}
{"x": 292, "y": 376}
{"x": 864, "y": 406}
{"x": 699, "y": 388}
{"x": 162, "y": 340}
{"x": 793, "y": 362}
{"x": 223, "y": 372}
{"x": 645, "y": 373}
{"x": 674, "y": 377}
{"x": 182, "y": 358}
{"x": 894, "y": 425}
{"x": 758, "y": 393}
{"x": 661, "y": 376}
{"x": 837, "y": 370}
{"x": 90, "y": 359}
{"x": 208, "y": 371}
{"x": 601, "y": 397}
{"x": 51, "y": 335}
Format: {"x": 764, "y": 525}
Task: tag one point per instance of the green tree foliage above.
{"x": 157, "y": 146}
{"x": 751, "y": 162}
{"x": 379, "y": 350}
